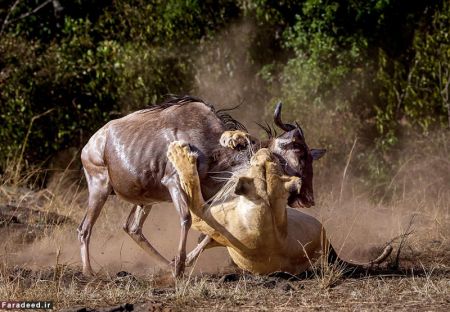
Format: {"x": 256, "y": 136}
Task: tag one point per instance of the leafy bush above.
{"x": 376, "y": 70}
{"x": 373, "y": 70}
{"x": 94, "y": 62}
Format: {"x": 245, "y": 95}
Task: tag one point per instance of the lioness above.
{"x": 250, "y": 215}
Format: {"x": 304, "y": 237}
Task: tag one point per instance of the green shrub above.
{"x": 94, "y": 62}
{"x": 373, "y": 70}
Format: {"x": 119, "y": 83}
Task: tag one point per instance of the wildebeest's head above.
{"x": 296, "y": 158}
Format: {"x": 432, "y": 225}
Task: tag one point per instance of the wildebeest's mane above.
{"x": 175, "y": 100}
{"x": 227, "y": 165}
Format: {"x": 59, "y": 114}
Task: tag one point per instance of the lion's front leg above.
{"x": 185, "y": 162}
{"x": 236, "y": 139}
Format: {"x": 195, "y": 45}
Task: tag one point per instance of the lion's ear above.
{"x": 244, "y": 186}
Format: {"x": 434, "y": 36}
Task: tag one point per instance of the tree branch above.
{"x": 444, "y": 89}
{"x": 7, "y": 21}
{"x": 31, "y": 12}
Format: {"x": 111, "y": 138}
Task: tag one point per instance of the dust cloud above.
{"x": 112, "y": 250}
{"x": 416, "y": 200}
{"x": 226, "y": 76}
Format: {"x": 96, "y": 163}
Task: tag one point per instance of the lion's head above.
{"x": 265, "y": 182}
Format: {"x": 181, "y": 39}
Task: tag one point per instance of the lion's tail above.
{"x": 333, "y": 257}
{"x": 383, "y": 256}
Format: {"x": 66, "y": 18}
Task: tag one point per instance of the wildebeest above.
{"x": 127, "y": 157}
{"x": 250, "y": 216}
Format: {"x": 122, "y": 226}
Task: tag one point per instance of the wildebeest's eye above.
{"x": 298, "y": 148}
{"x": 300, "y": 152}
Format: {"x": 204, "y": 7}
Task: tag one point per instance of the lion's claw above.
{"x": 235, "y": 139}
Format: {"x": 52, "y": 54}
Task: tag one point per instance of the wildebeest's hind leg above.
{"x": 99, "y": 189}
{"x": 133, "y": 227}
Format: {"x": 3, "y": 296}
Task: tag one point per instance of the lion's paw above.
{"x": 182, "y": 157}
{"x": 261, "y": 157}
{"x": 293, "y": 185}
{"x": 235, "y": 139}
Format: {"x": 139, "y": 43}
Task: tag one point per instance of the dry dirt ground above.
{"x": 39, "y": 261}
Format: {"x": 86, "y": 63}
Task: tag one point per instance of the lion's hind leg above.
{"x": 184, "y": 161}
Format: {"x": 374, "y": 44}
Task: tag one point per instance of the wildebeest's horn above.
{"x": 277, "y": 119}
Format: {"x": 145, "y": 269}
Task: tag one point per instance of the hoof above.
{"x": 88, "y": 272}
{"x": 178, "y": 267}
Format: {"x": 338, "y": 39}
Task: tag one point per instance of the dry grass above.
{"x": 426, "y": 290}
{"x": 67, "y": 287}
{"x": 39, "y": 260}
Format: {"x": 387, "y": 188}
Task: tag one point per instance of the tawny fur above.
{"x": 261, "y": 233}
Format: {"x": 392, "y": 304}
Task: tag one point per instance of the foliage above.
{"x": 377, "y": 70}
{"x": 93, "y": 62}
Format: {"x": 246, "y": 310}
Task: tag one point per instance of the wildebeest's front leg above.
{"x": 185, "y": 163}
{"x": 181, "y": 204}
{"x": 206, "y": 243}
